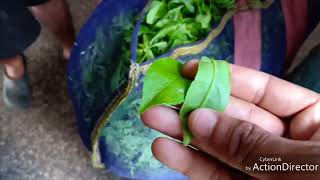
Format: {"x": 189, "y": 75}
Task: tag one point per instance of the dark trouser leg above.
{"x": 56, "y": 16}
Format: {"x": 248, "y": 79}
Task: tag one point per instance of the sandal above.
{"x": 17, "y": 93}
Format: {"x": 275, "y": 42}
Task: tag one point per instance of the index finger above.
{"x": 275, "y": 95}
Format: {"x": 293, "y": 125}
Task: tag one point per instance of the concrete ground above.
{"x": 42, "y": 143}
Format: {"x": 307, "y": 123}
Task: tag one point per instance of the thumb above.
{"x": 240, "y": 143}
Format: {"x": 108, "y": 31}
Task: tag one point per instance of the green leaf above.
{"x": 228, "y": 4}
{"x": 189, "y": 6}
{"x": 210, "y": 89}
{"x": 145, "y": 30}
{"x": 161, "y": 23}
{"x": 164, "y": 32}
{"x": 204, "y": 20}
{"x": 157, "y": 10}
{"x": 187, "y": 3}
{"x": 174, "y": 14}
{"x": 164, "y": 84}
{"x": 161, "y": 45}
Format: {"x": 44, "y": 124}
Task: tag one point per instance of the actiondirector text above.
{"x": 275, "y": 164}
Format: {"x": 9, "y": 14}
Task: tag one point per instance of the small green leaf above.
{"x": 164, "y": 32}
{"x": 204, "y": 20}
{"x": 173, "y": 14}
{"x": 161, "y": 45}
{"x": 157, "y": 10}
{"x": 161, "y": 23}
{"x": 229, "y": 4}
{"x": 189, "y": 6}
{"x": 187, "y": 3}
{"x": 210, "y": 89}
{"x": 164, "y": 84}
{"x": 145, "y": 30}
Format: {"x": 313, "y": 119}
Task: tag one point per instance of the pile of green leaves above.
{"x": 164, "y": 85}
{"x": 170, "y": 23}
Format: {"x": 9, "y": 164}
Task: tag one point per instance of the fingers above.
{"x": 316, "y": 136}
{"x": 306, "y": 123}
{"x": 268, "y": 92}
{"x": 167, "y": 121}
{"x": 243, "y": 110}
{"x": 265, "y": 90}
{"x": 193, "y": 164}
{"x": 238, "y": 143}
{"x": 163, "y": 119}
{"x": 190, "y": 69}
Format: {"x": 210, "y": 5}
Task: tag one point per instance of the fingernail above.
{"x": 202, "y": 122}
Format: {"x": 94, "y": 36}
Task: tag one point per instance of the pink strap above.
{"x": 247, "y": 26}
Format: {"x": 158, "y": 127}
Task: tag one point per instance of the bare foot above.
{"x": 14, "y": 67}
{"x": 55, "y": 15}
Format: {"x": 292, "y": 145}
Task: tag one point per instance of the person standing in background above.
{"x": 19, "y": 28}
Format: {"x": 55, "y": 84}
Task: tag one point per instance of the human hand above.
{"x": 261, "y": 109}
